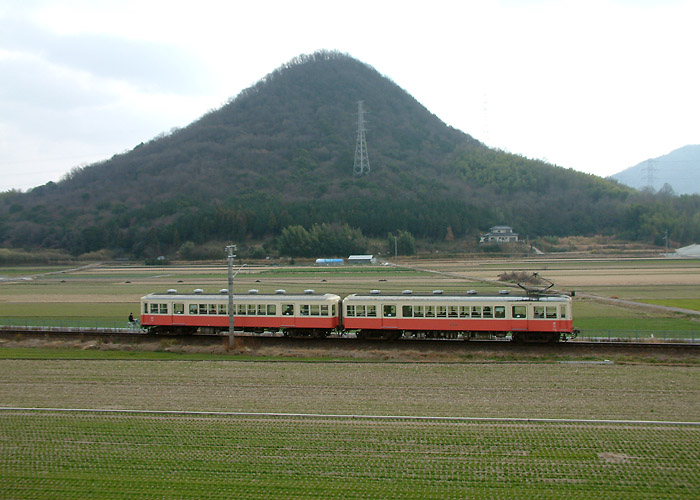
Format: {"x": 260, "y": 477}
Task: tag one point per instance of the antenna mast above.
{"x": 361, "y": 166}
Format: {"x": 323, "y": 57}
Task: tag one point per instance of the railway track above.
{"x": 422, "y": 349}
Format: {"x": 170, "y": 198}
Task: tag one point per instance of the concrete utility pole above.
{"x": 230, "y": 249}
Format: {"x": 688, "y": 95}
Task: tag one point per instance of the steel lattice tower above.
{"x": 361, "y": 166}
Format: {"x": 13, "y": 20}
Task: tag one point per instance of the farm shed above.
{"x": 361, "y": 259}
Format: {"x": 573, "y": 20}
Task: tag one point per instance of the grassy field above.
{"x": 182, "y": 457}
{"x": 96, "y": 454}
{"x": 89, "y": 454}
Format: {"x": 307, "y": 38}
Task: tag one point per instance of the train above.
{"x": 373, "y": 316}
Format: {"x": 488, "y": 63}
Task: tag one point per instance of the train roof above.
{"x": 440, "y": 297}
{"x": 203, "y": 297}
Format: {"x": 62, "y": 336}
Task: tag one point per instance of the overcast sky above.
{"x": 596, "y": 85}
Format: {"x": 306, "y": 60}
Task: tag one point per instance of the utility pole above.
{"x": 230, "y": 249}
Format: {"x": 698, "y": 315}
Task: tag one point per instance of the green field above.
{"x": 49, "y": 455}
{"x": 146, "y": 452}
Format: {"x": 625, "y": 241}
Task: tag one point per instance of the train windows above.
{"x": 360, "y": 311}
{"x": 154, "y": 308}
{"x": 223, "y": 309}
{"x": 499, "y": 311}
{"x": 304, "y": 309}
{"x": 463, "y": 311}
{"x": 178, "y": 308}
{"x": 519, "y": 312}
{"x": 202, "y": 308}
{"x": 272, "y": 309}
{"x": 212, "y": 308}
{"x": 389, "y": 311}
{"x": 452, "y": 312}
{"x": 251, "y": 309}
{"x": 315, "y": 310}
{"x": 407, "y": 311}
{"x": 193, "y": 308}
{"x": 418, "y": 312}
{"x": 350, "y": 311}
{"x": 333, "y": 310}
{"x": 441, "y": 311}
{"x": 145, "y": 307}
{"x": 240, "y": 309}
{"x": 539, "y": 312}
{"x": 551, "y": 312}
{"x": 476, "y": 311}
{"x": 324, "y": 309}
{"x": 429, "y": 311}
{"x": 372, "y": 311}
{"x": 562, "y": 312}
{"x": 488, "y": 312}
{"x": 287, "y": 309}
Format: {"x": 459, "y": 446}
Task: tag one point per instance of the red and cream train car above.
{"x": 296, "y": 315}
{"x": 526, "y": 318}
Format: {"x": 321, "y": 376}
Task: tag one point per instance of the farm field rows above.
{"x": 89, "y": 454}
{"x": 53, "y": 455}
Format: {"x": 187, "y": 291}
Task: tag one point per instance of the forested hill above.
{"x": 281, "y": 154}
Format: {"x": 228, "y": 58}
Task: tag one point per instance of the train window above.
{"x": 476, "y": 311}
{"x": 272, "y": 309}
{"x": 442, "y": 311}
{"x": 562, "y": 312}
{"x": 223, "y": 309}
{"x": 389, "y": 311}
{"x": 429, "y": 311}
{"x": 178, "y": 308}
{"x": 287, "y": 309}
{"x": 193, "y": 308}
{"x": 463, "y": 311}
{"x": 407, "y": 311}
{"x": 262, "y": 310}
{"x": 487, "y": 312}
{"x": 164, "y": 308}
{"x": 418, "y": 312}
{"x": 499, "y": 311}
{"x": 251, "y": 309}
{"x": 372, "y": 311}
{"x": 452, "y": 312}
{"x": 350, "y": 311}
{"x": 202, "y": 308}
{"x": 324, "y": 310}
{"x": 539, "y": 312}
{"x": 212, "y": 308}
{"x": 333, "y": 310}
{"x": 304, "y": 309}
{"x": 240, "y": 309}
{"x": 154, "y": 308}
{"x": 315, "y": 310}
{"x": 551, "y": 312}
{"x": 519, "y": 312}
{"x": 145, "y": 307}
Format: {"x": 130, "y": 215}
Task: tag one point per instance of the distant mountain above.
{"x": 280, "y": 155}
{"x": 680, "y": 169}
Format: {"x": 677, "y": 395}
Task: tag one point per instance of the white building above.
{"x": 500, "y": 234}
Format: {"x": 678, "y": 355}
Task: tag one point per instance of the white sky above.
{"x": 596, "y": 85}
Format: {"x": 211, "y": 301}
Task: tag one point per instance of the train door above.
{"x": 288, "y": 315}
{"x": 389, "y": 317}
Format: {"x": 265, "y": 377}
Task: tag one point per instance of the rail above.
{"x": 87, "y": 326}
